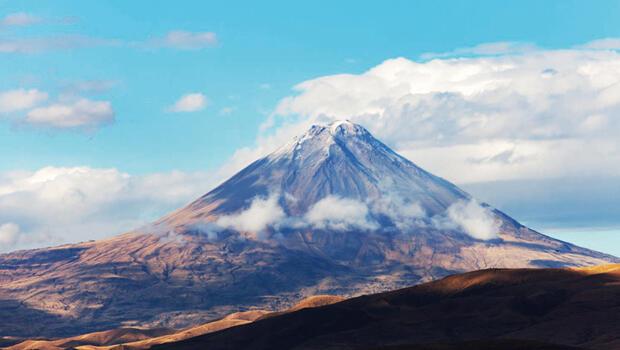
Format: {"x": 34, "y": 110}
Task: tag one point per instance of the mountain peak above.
{"x": 346, "y": 128}
{"x": 323, "y": 137}
{"x": 339, "y": 160}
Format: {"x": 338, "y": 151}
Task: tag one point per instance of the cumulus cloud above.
{"x": 472, "y": 218}
{"x": 261, "y": 213}
{"x": 55, "y": 205}
{"x": 72, "y": 112}
{"x": 185, "y": 40}
{"x": 191, "y": 102}
{"x": 336, "y": 213}
{"x": 528, "y": 114}
{"x": 81, "y": 114}
{"x": 20, "y": 99}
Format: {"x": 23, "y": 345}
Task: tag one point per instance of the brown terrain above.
{"x": 508, "y": 309}
{"x": 488, "y": 309}
{"x": 140, "y": 338}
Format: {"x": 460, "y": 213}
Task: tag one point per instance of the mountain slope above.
{"x": 489, "y": 309}
{"x": 333, "y": 212}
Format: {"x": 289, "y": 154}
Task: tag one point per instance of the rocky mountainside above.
{"x": 334, "y": 212}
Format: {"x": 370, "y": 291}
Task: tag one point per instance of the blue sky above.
{"x": 277, "y": 43}
{"x": 244, "y": 59}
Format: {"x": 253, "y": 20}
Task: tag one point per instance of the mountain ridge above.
{"x": 335, "y": 211}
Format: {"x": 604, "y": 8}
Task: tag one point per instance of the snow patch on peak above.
{"x": 346, "y": 128}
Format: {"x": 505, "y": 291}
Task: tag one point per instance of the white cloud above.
{"x": 604, "y": 44}
{"x": 261, "y": 213}
{"x": 19, "y": 19}
{"x": 474, "y": 219}
{"x": 81, "y": 114}
{"x": 531, "y": 114}
{"x": 20, "y": 99}
{"x": 341, "y": 214}
{"x": 54, "y": 205}
{"x": 191, "y": 102}
{"x": 184, "y": 40}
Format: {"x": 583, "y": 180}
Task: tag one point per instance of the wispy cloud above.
{"x": 185, "y": 40}
{"x": 89, "y": 86}
{"x": 9, "y": 235}
{"x": 175, "y": 39}
{"x": 34, "y": 45}
{"x": 19, "y": 19}
{"x": 486, "y": 49}
{"x": 227, "y": 110}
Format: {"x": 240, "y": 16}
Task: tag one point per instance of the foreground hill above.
{"x": 140, "y": 338}
{"x": 488, "y": 309}
{"x": 335, "y": 211}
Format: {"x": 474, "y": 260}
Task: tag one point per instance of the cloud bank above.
{"x": 55, "y": 205}
{"x": 503, "y": 112}
{"x": 265, "y": 216}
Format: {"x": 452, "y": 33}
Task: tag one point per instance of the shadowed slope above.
{"x": 139, "y": 338}
{"x": 576, "y": 307}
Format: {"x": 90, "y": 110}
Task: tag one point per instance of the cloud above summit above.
{"x": 518, "y": 111}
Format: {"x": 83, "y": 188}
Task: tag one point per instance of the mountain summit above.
{"x": 321, "y": 173}
{"x": 341, "y": 159}
{"x": 335, "y": 211}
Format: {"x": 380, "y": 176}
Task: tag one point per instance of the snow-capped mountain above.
{"x": 342, "y": 160}
{"x": 335, "y": 211}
